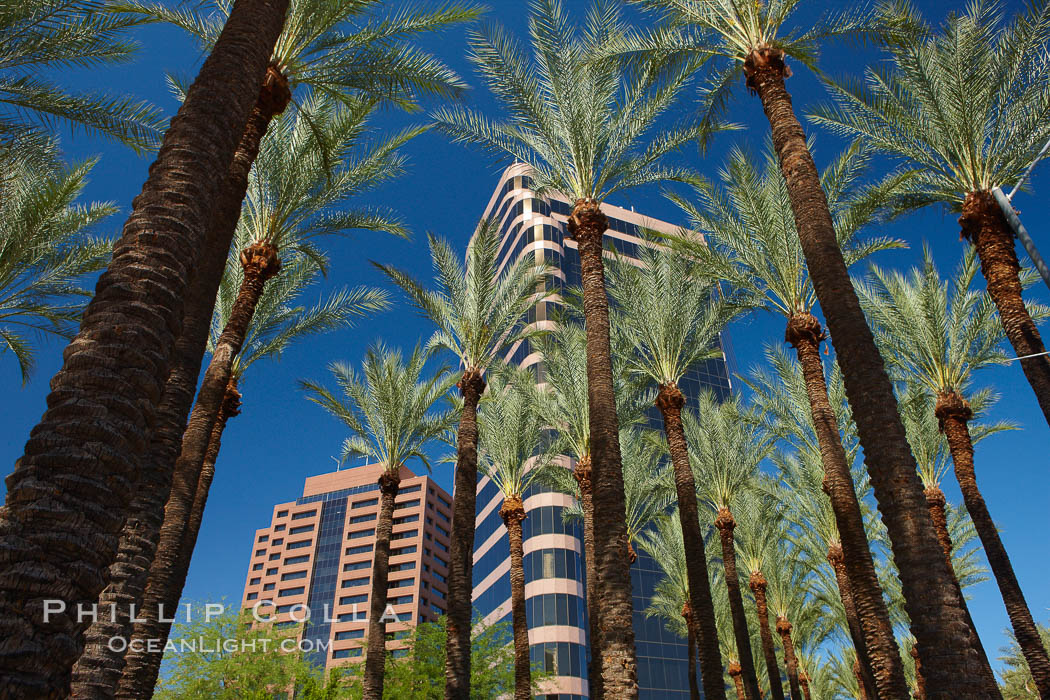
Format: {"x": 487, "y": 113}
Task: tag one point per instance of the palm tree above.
{"x": 963, "y": 110}
{"x": 750, "y": 240}
{"x": 752, "y": 39}
{"x": 292, "y": 195}
{"x": 670, "y": 599}
{"x": 512, "y": 453}
{"x": 564, "y": 352}
{"x": 726, "y": 450}
{"x": 43, "y": 36}
{"x": 45, "y": 250}
{"x": 478, "y": 311}
{"x": 388, "y": 411}
{"x": 94, "y": 435}
{"x": 1017, "y": 682}
{"x": 938, "y": 334}
{"x": 583, "y": 126}
{"x": 666, "y": 319}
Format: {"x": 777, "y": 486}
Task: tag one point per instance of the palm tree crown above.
{"x": 388, "y": 407}
{"x": 45, "y": 251}
{"x": 583, "y": 124}
{"x": 46, "y": 35}
{"x": 725, "y": 448}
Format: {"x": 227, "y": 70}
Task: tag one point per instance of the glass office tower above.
{"x": 553, "y": 550}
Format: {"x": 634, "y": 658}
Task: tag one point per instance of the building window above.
{"x": 401, "y": 583}
{"x": 279, "y": 528}
{"x": 439, "y": 594}
{"x": 408, "y": 489}
{"x": 349, "y": 634}
{"x": 298, "y": 590}
{"x": 271, "y": 572}
{"x": 275, "y": 556}
{"x": 354, "y": 582}
{"x": 257, "y": 567}
{"x": 404, "y": 550}
{"x": 368, "y": 517}
{"x": 357, "y": 566}
{"x": 440, "y": 546}
{"x": 351, "y": 599}
{"x": 301, "y": 529}
{"x": 263, "y": 538}
{"x": 304, "y": 514}
{"x": 444, "y": 502}
{"x": 297, "y": 560}
{"x": 402, "y": 535}
{"x": 346, "y": 653}
{"x": 407, "y": 504}
{"x": 442, "y": 530}
{"x": 254, "y": 581}
{"x": 361, "y": 533}
{"x": 364, "y": 504}
{"x": 269, "y": 586}
{"x": 414, "y": 518}
{"x": 442, "y": 516}
{"x": 260, "y": 552}
{"x": 282, "y": 513}
{"x": 253, "y": 596}
{"x": 294, "y": 575}
{"x": 300, "y": 544}
{"x": 408, "y": 565}
{"x": 360, "y": 549}
{"x": 279, "y": 540}
{"x": 400, "y": 600}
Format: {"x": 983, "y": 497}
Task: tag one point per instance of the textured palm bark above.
{"x": 260, "y": 263}
{"x": 920, "y": 680}
{"x": 936, "y": 505}
{"x": 735, "y": 673}
{"x": 375, "y": 658}
{"x": 619, "y": 665}
{"x": 69, "y": 494}
{"x": 803, "y": 681}
{"x": 758, "y": 584}
{"x": 98, "y": 670}
{"x": 953, "y": 414}
{"x": 513, "y": 513}
{"x": 873, "y": 636}
{"x": 690, "y": 626}
{"x": 858, "y": 674}
{"x": 461, "y": 552}
{"x": 582, "y": 473}
{"x": 984, "y": 224}
{"x": 932, "y": 602}
{"x": 726, "y": 524}
{"x": 790, "y": 660}
{"x": 838, "y": 563}
{"x": 670, "y": 401}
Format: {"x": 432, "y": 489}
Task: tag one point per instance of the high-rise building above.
{"x": 316, "y": 556}
{"x": 556, "y": 609}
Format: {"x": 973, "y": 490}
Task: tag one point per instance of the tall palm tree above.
{"x": 670, "y": 599}
{"x": 939, "y": 332}
{"x": 314, "y": 50}
{"x": 388, "y": 411}
{"x": 726, "y": 450}
{"x": 564, "y": 352}
{"x": 584, "y": 126}
{"x": 292, "y": 197}
{"x": 666, "y": 319}
{"x": 478, "y": 310}
{"x": 42, "y": 37}
{"x": 964, "y": 110}
{"x": 45, "y": 250}
{"x": 782, "y": 397}
{"x": 92, "y": 439}
{"x": 754, "y": 40}
{"x": 511, "y": 454}
{"x": 750, "y": 240}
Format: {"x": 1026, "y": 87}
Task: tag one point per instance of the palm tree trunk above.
{"x": 931, "y": 599}
{"x": 98, "y": 670}
{"x": 953, "y": 414}
{"x": 513, "y": 513}
{"x": 587, "y": 224}
{"x": 838, "y": 563}
{"x": 873, "y": 637}
{"x": 461, "y": 553}
{"x": 69, "y": 494}
{"x": 582, "y": 473}
{"x": 858, "y": 674}
{"x": 790, "y": 660}
{"x": 803, "y": 681}
{"x": 260, "y": 263}
{"x": 985, "y": 226}
{"x": 670, "y": 402}
{"x": 758, "y": 584}
{"x": 920, "y": 680}
{"x": 726, "y": 524}
{"x": 735, "y": 673}
{"x": 690, "y": 626}
{"x": 375, "y": 659}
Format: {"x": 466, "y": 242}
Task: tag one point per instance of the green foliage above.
{"x": 45, "y": 250}
{"x": 963, "y": 109}
{"x": 581, "y": 121}
{"x": 39, "y": 38}
{"x": 388, "y": 408}
{"x": 476, "y": 317}
{"x": 340, "y": 49}
{"x": 726, "y": 448}
{"x": 1016, "y": 680}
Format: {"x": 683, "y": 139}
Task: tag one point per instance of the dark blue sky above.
{"x": 280, "y": 438}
